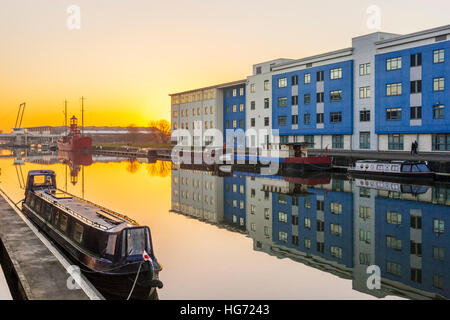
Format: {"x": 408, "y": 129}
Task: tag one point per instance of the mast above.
{"x": 65, "y": 115}
{"x": 82, "y": 115}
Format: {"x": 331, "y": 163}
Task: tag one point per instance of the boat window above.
{"x": 32, "y": 200}
{"x": 111, "y": 246}
{"x": 406, "y": 168}
{"x": 56, "y": 222}
{"x": 63, "y": 224}
{"x": 423, "y": 167}
{"x": 415, "y": 169}
{"x": 78, "y": 233}
{"x": 37, "y": 205}
{"x": 135, "y": 241}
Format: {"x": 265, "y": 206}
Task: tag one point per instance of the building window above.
{"x": 338, "y": 142}
{"x": 266, "y": 121}
{"x": 364, "y": 69}
{"x": 282, "y": 102}
{"x": 438, "y": 253}
{"x": 307, "y": 118}
{"x": 234, "y": 123}
{"x": 320, "y": 204}
{"x": 252, "y": 122}
{"x": 282, "y": 236}
{"x": 441, "y": 142}
{"x": 307, "y": 98}
{"x": 307, "y": 243}
{"x": 438, "y": 281}
{"x": 294, "y": 119}
{"x": 294, "y": 100}
{"x": 416, "y": 60}
{"x": 336, "y": 73}
{"x": 336, "y": 207}
{"x": 438, "y": 226}
{"x": 320, "y": 247}
{"x": 241, "y": 92}
{"x": 241, "y": 124}
{"x": 364, "y": 115}
{"x": 282, "y": 82}
{"x": 364, "y": 212}
{"x": 252, "y": 88}
{"x": 310, "y": 141}
{"x": 282, "y": 217}
{"x": 320, "y": 97}
{"x": 320, "y": 118}
{"x": 295, "y": 240}
{"x": 336, "y": 252}
{"x": 364, "y": 236}
{"x": 266, "y": 103}
{"x": 336, "y": 95}
{"x": 307, "y": 78}
{"x": 438, "y": 112}
{"x": 438, "y": 56}
{"x": 320, "y": 76}
{"x": 241, "y": 107}
{"x": 335, "y": 117}
{"x": 395, "y": 142}
{"x": 393, "y": 217}
{"x": 234, "y": 92}
{"x": 294, "y": 80}
{"x": 234, "y": 108}
{"x": 284, "y": 140}
{"x": 393, "y": 89}
{"x": 393, "y": 243}
{"x": 336, "y": 229}
{"x": 258, "y": 70}
{"x": 394, "y": 64}
{"x": 252, "y": 105}
{"x": 416, "y": 113}
{"x": 438, "y": 84}
{"x": 394, "y": 268}
{"x": 364, "y": 259}
{"x": 307, "y": 222}
{"x": 364, "y": 92}
{"x": 266, "y": 85}
{"x": 416, "y": 86}
{"x": 266, "y": 213}
{"x": 282, "y": 120}
{"x": 364, "y": 140}
{"x": 228, "y": 124}
{"x": 394, "y": 114}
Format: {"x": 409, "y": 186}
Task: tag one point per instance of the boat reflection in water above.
{"x": 333, "y": 224}
{"x": 75, "y": 161}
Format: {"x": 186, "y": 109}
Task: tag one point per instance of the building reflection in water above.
{"x": 332, "y": 224}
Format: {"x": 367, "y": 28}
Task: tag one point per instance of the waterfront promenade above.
{"x": 33, "y": 267}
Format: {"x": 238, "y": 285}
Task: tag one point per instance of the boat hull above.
{"x": 75, "y": 144}
{"x": 304, "y": 164}
{"x": 397, "y": 177}
{"x": 114, "y": 282}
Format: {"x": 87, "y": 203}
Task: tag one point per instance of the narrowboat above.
{"x": 401, "y": 170}
{"x": 112, "y": 250}
{"x": 414, "y": 189}
{"x": 297, "y": 158}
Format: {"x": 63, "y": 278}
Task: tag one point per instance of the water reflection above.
{"x": 332, "y": 224}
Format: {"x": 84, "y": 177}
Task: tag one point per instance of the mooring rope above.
{"x": 135, "y": 280}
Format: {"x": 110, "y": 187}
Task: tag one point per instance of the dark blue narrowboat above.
{"x": 111, "y": 249}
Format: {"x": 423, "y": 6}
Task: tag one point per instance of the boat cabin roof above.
{"x": 85, "y": 211}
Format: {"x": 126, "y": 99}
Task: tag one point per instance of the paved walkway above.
{"x": 35, "y": 268}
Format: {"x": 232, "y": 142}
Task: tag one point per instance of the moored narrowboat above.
{"x": 393, "y": 169}
{"x": 112, "y": 250}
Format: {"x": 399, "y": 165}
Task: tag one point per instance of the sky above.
{"x": 128, "y": 55}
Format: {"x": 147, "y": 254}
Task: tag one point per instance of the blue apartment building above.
{"x": 382, "y": 93}
{"x": 234, "y": 115}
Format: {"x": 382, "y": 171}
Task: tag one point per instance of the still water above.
{"x": 246, "y": 236}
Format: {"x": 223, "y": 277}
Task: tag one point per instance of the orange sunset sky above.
{"x": 129, "y": 55}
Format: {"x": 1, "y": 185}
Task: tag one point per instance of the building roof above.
{"x": 217, "y": 86}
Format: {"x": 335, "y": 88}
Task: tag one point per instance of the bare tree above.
{"x": 163, "y": 126}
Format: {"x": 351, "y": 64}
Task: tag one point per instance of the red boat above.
{"x": 74, "y": 141}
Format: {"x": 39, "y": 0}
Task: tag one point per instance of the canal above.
{"x": 246, "y": 236}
